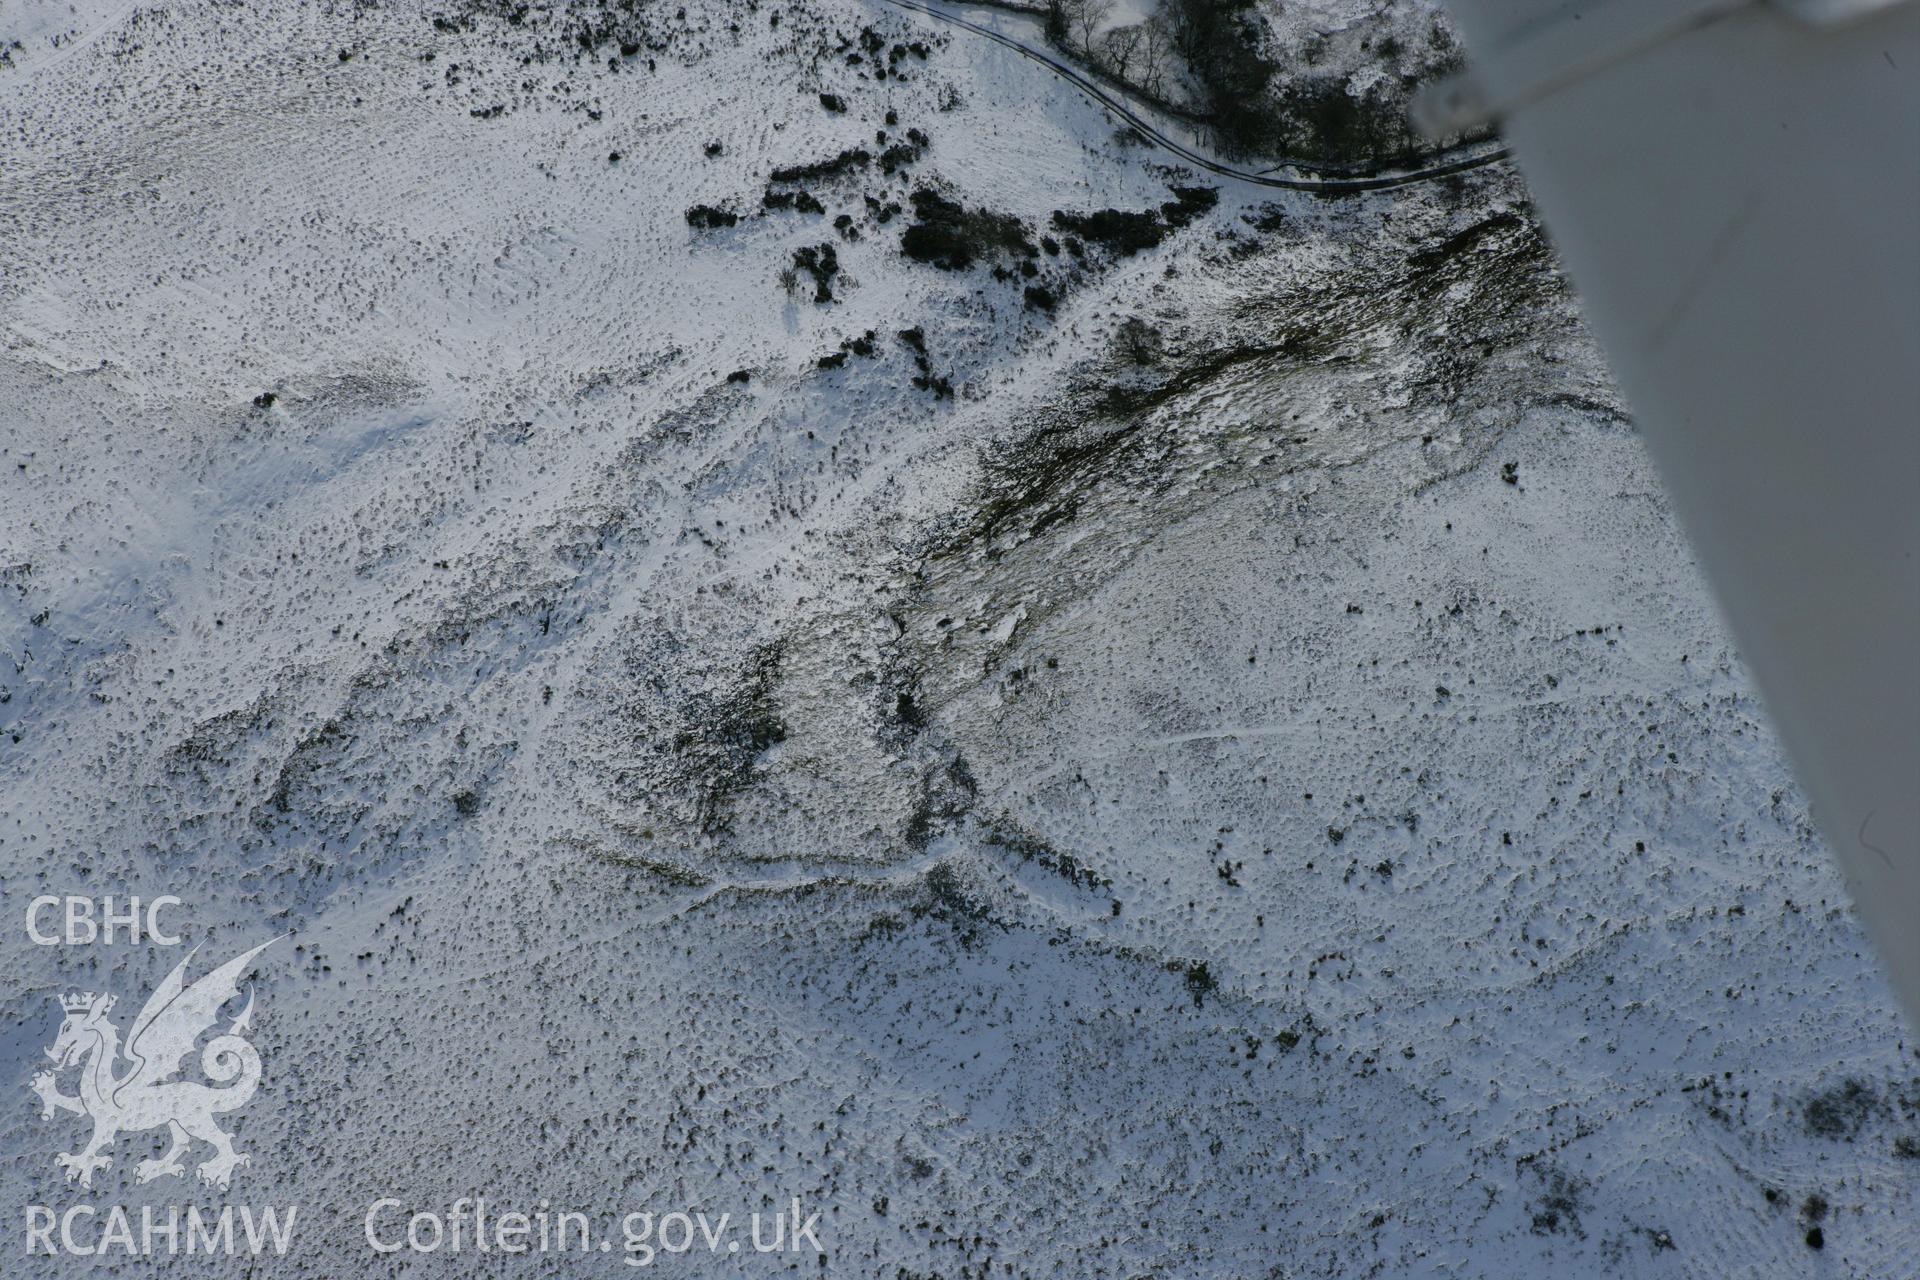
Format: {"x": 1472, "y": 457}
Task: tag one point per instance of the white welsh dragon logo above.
{"x": 145, "y": 1095}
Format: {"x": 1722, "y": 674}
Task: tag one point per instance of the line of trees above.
{"x": 1141, "y": 53}
{"x": 1203, "y": 54}
{"x": 1210, "y": 58}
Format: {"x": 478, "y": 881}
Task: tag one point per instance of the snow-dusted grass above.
{"x": 1179, "y": 804}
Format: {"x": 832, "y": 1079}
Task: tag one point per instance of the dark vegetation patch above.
{"x": 1557, "y": 1210}
{"x": 1126, "y": 232}
{"x": 947, "y": 235}
{"x": 862, "y": 346}
{"x": 1268, "y": 218}
{"x": 915, "y": 340}
{"x": 834, "y": 167}
{"x": 901, "y": 154}
{"x": 1471, "y": 237}
{"x": 1109, "y": 434}
{"x": 724, "y": 734}
{"x": 689, "y": 726}
{"x": 1045, "y": 856}
{"x": 944, "y": 897}
{"x": 798, "y": 201}
{"x": 820, "y": 262}
{"x": 1189, "y": 203}
{"x": 1840, "y": 1111}
{"x": 946, "y": 793}
{"x": 834, "y": 103}
{"x": 706, "y": 217}
{"x": 1199, "y": 979}
{"x": 1137, "y": 342}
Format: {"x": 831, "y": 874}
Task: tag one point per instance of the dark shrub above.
{"x": 1189, "y": 203}
{"x": 846, "y": 162}
{"x": 1137, "y": 342}
{"x": 898, "y": 156}
{"x": 1126, "y": 232}
{"x": 704, "y": 217}
{"x": 1840, "y": 1111}
{"x": 823, "y": 264}
{"x": 799, "y": 201}
{"x": 951, "y": 237}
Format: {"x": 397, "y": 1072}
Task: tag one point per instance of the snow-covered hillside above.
{"x": 784, "y": 610}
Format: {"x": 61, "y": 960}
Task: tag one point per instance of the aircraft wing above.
{"x": 1734, "y": 187}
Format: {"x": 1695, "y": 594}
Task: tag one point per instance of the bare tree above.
{"x": 1057, "y": 22}
{"x": 1083, "y": 20}
{"x": 1119, "y": 47}
{"x": 1155, "y": 52}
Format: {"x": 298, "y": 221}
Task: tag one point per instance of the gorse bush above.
{"x": 952, "y": 237}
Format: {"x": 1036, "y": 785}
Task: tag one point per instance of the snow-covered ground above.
{"x": 1208, "y": 761}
